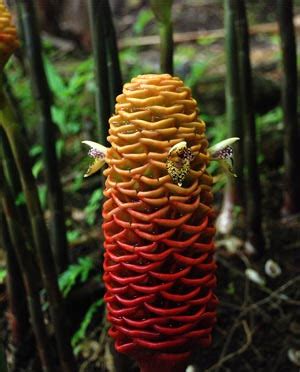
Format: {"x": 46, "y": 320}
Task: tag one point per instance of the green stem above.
{"x": 166, "y": 47}
{"x": 233, "y": 98}
{"x": 291, "y": 202}
{"x": 113, "y": 63}
{"x": 251, "y": 180}
{"x": 163, "y": 14}
{"x": 43, "y": 96}
{"x": 103, "y": 105}
{"x": 40, "y": 235}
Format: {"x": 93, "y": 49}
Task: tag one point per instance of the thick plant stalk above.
{"x": 101, "y": 73}
{"x": 16, "y": 243}
{"x": 251, "y": 175}
{"x": 291, "y": 190}
{"x": 3, "y": 364}
{"x": 158, "y": 225}
{"x": 234, "y": 188}
{"x": 13, "y": 181}
{"x": 40, "y": 235}
{"x": 113, "y": 63}
{"x": 18, "y": 313}
{"x": 162, "y": 11}
{"x": 47, "y": 135}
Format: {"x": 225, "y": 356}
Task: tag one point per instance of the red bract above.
{"x": 158, "y": 226}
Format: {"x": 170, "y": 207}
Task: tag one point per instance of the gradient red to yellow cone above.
{"x": 159, "y": 266}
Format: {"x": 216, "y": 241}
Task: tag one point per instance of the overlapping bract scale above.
{"x": 159, "y": 267}
{"x": 8, "y": 34}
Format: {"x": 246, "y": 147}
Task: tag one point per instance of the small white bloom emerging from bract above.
{"x": 98, "y": 153}
{"x": 223, "y": 153}
{"x": 272, "y": 269}
{"x": 255, "y": 277}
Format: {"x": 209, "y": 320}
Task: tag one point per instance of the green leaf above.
{"x": 230, "y": 289}
{"x": 36, "y": 150}
{"x": 59, "y": 147}
{"x": 73, "y": 235}
{"x": 143, "y": 18}
{"x": 42, "y": 190}
{"x": 162, "y": 10}
{"x": 3, "y": 274}
{"x": 56, "y": 83}
{"x": 74, "y": 273}
{"x": 93, "y": 206}
{"x": 80, "y": 334}
{"x": 20, "y": 199}
{"x": 36, "y": 169}
{"x": 59, "y": 118}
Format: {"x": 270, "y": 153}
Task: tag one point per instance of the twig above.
{"x": 240, "y": 351}
{"x": 184, "y": 37}
{"x": 271, "y": 293}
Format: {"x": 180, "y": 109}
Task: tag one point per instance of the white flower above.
{"x": 223, "y": 153}
{"x": 98, "y": 153}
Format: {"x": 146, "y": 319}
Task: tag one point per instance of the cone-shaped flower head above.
{"x": 8, "y": 35}
{"x": 158, "y": 224}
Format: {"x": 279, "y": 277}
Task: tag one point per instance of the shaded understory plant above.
{"x": 158, "y": 223}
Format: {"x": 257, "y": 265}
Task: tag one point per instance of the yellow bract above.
{"x": 8, "y": 35}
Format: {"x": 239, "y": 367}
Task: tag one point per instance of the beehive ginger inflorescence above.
{"x": 159, "y": 270}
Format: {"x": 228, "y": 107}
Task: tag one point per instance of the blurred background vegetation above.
{"x": 52, "y": 82}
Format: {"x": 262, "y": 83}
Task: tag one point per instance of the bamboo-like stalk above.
{"x": 40, "y": 235}
{"x": 113, "y": 63}
{"x": 233, "y": 195}
{"x": 16, "y": 245}
{"x": 47, "y": 135}
{"x": 103, "y": 104}
{"x": 251, "y": 175}
{"x": 291, "y": 191}
{"x": 13, "y": 180}
{"x": 18, "y": 312}
{"x": 3, "y": 364}
{"x": 162, "y": 11}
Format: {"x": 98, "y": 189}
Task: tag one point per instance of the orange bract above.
{"x": 8, "y": 34}
{"x": 159, "y": 267}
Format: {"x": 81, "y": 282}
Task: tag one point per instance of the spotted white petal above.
{"x": 221, "y": 146}
{"x": 100, "y": 149}
{"x": 98, "y": 152}
{"x": 223, "y": 153}
{"x": 272, "y": 269}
